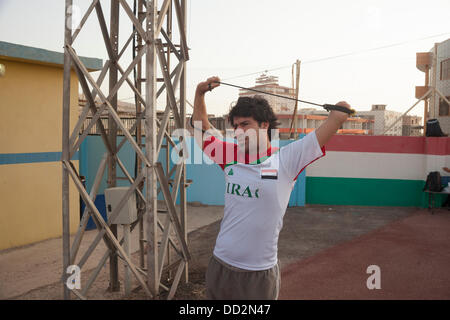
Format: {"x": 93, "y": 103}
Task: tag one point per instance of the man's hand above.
{"x": 207, "y": 85}
{"x": 339, "y": 115}
{"x": 332, "y": 124}
{"x": 200, "y": 113}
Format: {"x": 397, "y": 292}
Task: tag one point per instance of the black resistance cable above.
{"x": 327, "y": 107}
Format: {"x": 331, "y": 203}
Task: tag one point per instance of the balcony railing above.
{"x": 423, "y": 60}
{"x": 421, "y": 90}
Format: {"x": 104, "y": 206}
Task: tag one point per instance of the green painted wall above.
{"x": 368, "y": 192}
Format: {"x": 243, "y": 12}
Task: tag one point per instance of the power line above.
{"x": 374, "y": 49}
{"x": 341, "y": 55}
{"x": 330, "y": 57}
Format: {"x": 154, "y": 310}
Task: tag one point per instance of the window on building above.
{"x": 445, "y": 69}
{"x": 444, "y": 107}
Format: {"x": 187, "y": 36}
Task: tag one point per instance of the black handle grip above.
{"x": 329, "y": 107}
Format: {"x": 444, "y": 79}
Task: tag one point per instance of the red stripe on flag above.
{"x": 390, "y": 144}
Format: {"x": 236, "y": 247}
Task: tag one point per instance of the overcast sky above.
{"x": 230, "y": 38}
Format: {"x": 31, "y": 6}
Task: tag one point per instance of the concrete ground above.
{"x": 412, "y": 254}
{"x": 324, "y": 252}
{"x": 316, "y": 231}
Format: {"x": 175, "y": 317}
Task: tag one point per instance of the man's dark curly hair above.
{"x": 256, "y": 107}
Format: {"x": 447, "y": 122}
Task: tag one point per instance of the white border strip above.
{"x": 377, "y": 165}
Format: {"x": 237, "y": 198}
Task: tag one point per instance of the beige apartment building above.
{"x": 383, "y": 119}
{"x": 436, "y": 66}
{"x": 412, "y": 126}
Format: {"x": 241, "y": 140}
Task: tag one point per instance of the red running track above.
{"x": 413, "y": 255}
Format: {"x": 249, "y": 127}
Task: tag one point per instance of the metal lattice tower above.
{"x": 153, "y": 50}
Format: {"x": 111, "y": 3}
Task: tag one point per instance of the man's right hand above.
{"x": 203, "y": 87}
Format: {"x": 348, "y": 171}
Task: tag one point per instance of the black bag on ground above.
{"x": 433, "y": 182}
{"x": 447, "y": 203}
{"x": 434, "y": 129}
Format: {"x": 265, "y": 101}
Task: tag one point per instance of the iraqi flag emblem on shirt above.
{"x": 269, "y": 174}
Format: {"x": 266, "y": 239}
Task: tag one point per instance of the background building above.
{"x": 383, "y": 119}
{"x": 436, "y": 66}
{"x": 373, "y": 122}
{"x": 309, "y": 119}
{"x": 412, "y": 126}
{"x": 270, "y": 84}
{"x": 30, "y": 139}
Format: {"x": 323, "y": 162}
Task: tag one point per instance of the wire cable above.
{"x": 341, "y": 55}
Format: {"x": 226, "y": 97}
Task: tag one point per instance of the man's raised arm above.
{"x": 332, "y": 124}
{"x": 200, "y": 113}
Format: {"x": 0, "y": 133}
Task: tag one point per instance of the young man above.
{"x": 258, "y": 184}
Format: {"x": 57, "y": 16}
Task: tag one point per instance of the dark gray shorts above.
{"x": 226, "y": 282}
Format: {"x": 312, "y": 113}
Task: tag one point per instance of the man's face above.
{"x": 250, "y": 133}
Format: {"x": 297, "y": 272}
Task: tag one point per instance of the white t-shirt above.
{"x": 256, "y": 197}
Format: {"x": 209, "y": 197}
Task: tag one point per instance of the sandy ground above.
{"x": 38, "y": 265}
{"x": 307, "y": 231}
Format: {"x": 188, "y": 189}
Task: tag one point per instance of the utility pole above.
{"x": 425, "y": 107}
{"x": 293, "y": 127}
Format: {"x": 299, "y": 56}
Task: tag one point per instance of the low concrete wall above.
{"x": 357, "y": 170}
{"x": 377, "y": 170}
